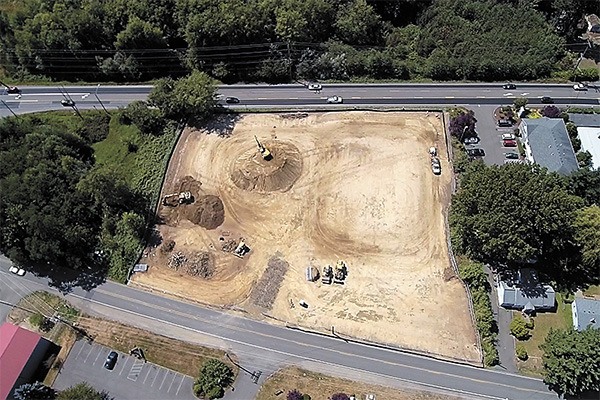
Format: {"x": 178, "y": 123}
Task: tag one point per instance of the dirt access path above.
{"x": 353, "y": 186}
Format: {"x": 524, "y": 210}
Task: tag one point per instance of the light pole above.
{"x": 100, "y": 101}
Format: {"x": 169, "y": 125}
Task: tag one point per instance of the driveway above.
{"x": 130, "y": 379}
{"x": 490, "y": 135}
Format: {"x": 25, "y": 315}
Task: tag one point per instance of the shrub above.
{"x": 518, "y": 328}
{"x": 148, "y": 120}
{"x": 463, "y": 124}
{"x": 490, "y": 353}
{"x": 551, "y": 112}
{"x": 305, "y": 396}
{"x": 214, "y": 377}
{"x": 340, "y": 396}
{"x": 530, "y": 323}
{"x": 294, "y": 395}
{"x": 36, "y": 319}
{"x": 520, "y": 102}
{"x": 95, "y": 127}
{"x": 521, "y": 352}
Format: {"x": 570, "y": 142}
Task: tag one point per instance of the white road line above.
{"x": 293, "y": 98}
{"x": 90, "y": 352}
{"x": 180, "y": 383}
{"x": 418, "y": 97}
{"x": 356, "y": 98}
{"x": 386, "y": 97}
{"x": 94, "y": 363}
{"x": 157, "y": 373}
{"x": 481, "y": 97}
{"x": 173, "y": 380}
{"x": 147, "y": 373}
{"x": 449, "y": 97}
{"x": 124, "y": 364}
{"x": 80, "y": 349}
{"x": 163, "y": 381}
{"x": 262, "y": 98}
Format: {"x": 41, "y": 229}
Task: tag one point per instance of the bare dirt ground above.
{"x": 355, "y": 186}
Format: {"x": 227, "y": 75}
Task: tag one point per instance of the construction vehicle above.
{"x": 340, "y": 273}
{"x": 241, "y": 250}
{"x": 264, "y": 152}
{"x": 175, "y": 199}
{"x": 327, "y": 276}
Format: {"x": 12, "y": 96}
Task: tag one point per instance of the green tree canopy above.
{"x": 214, "y": 377}
{"x": 572, "y": 361}
{"x": 587, "y": 234}
{"x": 82, "y": 391}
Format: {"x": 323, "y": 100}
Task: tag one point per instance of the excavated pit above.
{"x": 252, "y": 173}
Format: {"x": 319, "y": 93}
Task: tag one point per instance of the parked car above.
{"x": 232, "y": 100}
{"x": 476, "y": 152}
{"x": 17, "y": 270}
{"x": 335, "y": 100}
{"x": 508, "y": 136}
{"x": 471, "y": 140}
{"x": 315, "y": 86}
{"x": 67, "y": 103}
{"x": 511, "y": 156}
{"x": 547, "y": 100}
{"x": 505, "y": 123}
{"x": 513, "y": 161}
{"x": 580, "y": 87}
{"x": 436, "y": 166}
{"x": 111, "y": 360}
{"x": 509, "y": 143}
{"x": 509, "y": 86}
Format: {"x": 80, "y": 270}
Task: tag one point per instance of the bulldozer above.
{"x": 264, "y": 152}
{"x": 175, "y": 199}
{"x": 327, "y": 276}
{"x": 241, "y": 250}
{"x": 340, "y": 273}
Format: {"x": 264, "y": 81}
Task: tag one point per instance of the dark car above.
{"x": 509, "y": 86}
{"x": 13, "y": 90}
{"x": 476, "y": 152}
{"x": 511, "y": 156}
{"x": 232, "y": 100}
{"x": 547, "y": 100}
{"x": 111, "y": 360}
{"x": 67, "y": 103}
{"x": 471, "y": 140}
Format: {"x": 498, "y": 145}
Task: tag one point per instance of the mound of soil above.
{"x": 253, "y": 173}
{"x": 207, "y": 211}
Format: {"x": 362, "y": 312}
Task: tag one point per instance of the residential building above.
{"x": 586, "y": 312}
{"x": 588, "y": 130}
{"x": 522, "y": 291}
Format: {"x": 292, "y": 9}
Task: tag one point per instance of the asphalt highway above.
{"x": 283, "y": 346}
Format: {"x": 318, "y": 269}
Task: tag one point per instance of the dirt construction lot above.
{"x": 351, "y": 186}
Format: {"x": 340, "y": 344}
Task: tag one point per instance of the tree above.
{"x": 551, "y": 112}
{"x": 518, "y": 328}
{"x": 520, "y": 102}
{"x": 34, "y": 391}
{"x": 358, "y": 24}
{"x": 463, "y": 124}
{"x": 189, "y": 97}
{"x": 584, "y": 159}
{"x": 587, "y": 235}
{"x": 585, "y": 183}
{"x": 572, "y": 360}
{"x": 294, "y": 395}
{"x": 340, "y": 396}
{"x": 81, "y": 391}
{"x": 521, "y": 352}
{"x": 214, "y": 377}
{"x": 148, "y": 120}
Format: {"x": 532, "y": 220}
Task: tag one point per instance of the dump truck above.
{"x": 340, "y": 273}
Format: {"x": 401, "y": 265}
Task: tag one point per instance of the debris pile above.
{"x": 263, "y": 294}
{"x": 177, "y": 260}
{"x": 200, "y": 264}
{"x": 229, "y": 245}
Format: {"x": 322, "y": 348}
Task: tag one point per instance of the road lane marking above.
{"x": 173, "y": 380}
{"x": 123, "y": 369}
{"x": 242, "y": 330}
{"x": 155, "y": 376}
{"x": 449, "y": 97}
{"x": 91, "y": 348}
{"x": 180, "y": 383}
{"x": 100, "y": 352}
{"x": 80, "y": 349}
{"x": 147, "y": 373}
{"x": 481, "y": 97}
{"x": 356, "y": 97}
{"x": 135, "y": 370}
{"x": 163, "y": 381}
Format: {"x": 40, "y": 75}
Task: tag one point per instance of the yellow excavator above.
{"x": 264, "y": 152}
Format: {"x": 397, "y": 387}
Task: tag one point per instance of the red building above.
{"x": 21, "y": 353}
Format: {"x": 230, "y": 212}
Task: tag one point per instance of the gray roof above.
{"x": 588, "y": 313}
{"x": 541, "y": 296}
{"x": 550, "y": 144}
{"x": 587, "y": 120}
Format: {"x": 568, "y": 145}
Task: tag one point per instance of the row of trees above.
{"x": 276, "y": 40}
{"x": 39, "y": 391}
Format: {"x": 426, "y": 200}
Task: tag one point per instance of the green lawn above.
{"x": 543, "y": 322}
{"x": 592, "y": 291}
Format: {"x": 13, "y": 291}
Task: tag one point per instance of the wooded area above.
{"x": 283, "y": 40}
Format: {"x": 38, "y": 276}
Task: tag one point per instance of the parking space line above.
{"x": 158, "y": 373}
{"x": 163, "y": 381}
{"x": 96, "y": 359}
{"x": 80, "y": 350}
{"x": 180, "y": 383}
{"x": 136, "y": 368}
{"x": 173, "y": 380}
{"x": 90, "y": 352}
{"x": 148, "y": 373}
{"x": 124, "y": 364}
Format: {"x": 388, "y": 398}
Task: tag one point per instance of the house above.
{"x": 588, "y": 130}
{"x": 586, "y": 312}
{"x": 21, "y": 353}
{"x": 547, "y": 144}
{"x": 522, "y": 291}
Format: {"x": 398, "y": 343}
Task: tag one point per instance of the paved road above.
{"x": 273, "y": 346}
{"x": 39, "y": 98}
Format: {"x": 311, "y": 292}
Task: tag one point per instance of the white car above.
{"x": 17, "y": 271}
{"x": 508, "y": 136}
{"x": 335, "y": 100}
{"x": 580, "y": 87}
{"x": 315, "y": 86}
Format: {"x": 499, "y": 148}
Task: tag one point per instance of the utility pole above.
{"x": 100, "y": 101}
{"x": 289, "y": 56}
{"x": 9, "y": 109}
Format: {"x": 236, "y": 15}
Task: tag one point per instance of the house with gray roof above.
{"x": 547, "y": 143}
{"x": 586, "y": 312}
{"x": 523, "y": 291}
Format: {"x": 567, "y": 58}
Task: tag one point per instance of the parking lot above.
{"x": 130, "y": 379}
{"x": 490, "y": 136}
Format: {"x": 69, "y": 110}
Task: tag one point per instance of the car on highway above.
{"x": 12, "y": 90}
{"x": 67, "y": 103}
{"x": 471, "y": 140}
{"x": 580, "y": 87}
{"x": 509, "y": 86}
{"x": 508, "y": 136}
{"x": 16, "y": 270}
{"x": 335, "y": 100}
{"x": 511, "y": 156}
{"x": 547, "y": 100}
{"x": 509, "y": 143}
{"x": 232, "y": 100}
{"x": 111, "y": 360}
{"x": 476, "y": 152}
{"x": 314, "y": 86}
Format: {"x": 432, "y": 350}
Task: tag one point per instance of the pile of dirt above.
{"x": 200, "y": 264}
{"x": 253, "y": 173}
{"x": 264, "y": 292}
{"x": 207, "y": 211}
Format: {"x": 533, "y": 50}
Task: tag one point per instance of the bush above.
{"x": 95, "y": 128}
{"x": 521, "y": 352}
{"x": 340, "y": 396}
{"x": 530, "y": 323}
{"x": 551, "y": 112}
{"x": 518, "y": 328}
{"x": 36, "y": 319}
{"x": 490, "y": 353}
{"x": 520, "y": 102}
{"x": 305, "y": 396}
{"x": 463, "y": 124}
{"x": 214, "y": 377}
{"x": 148, "y": 120}
{"x": 294, "y": 395}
